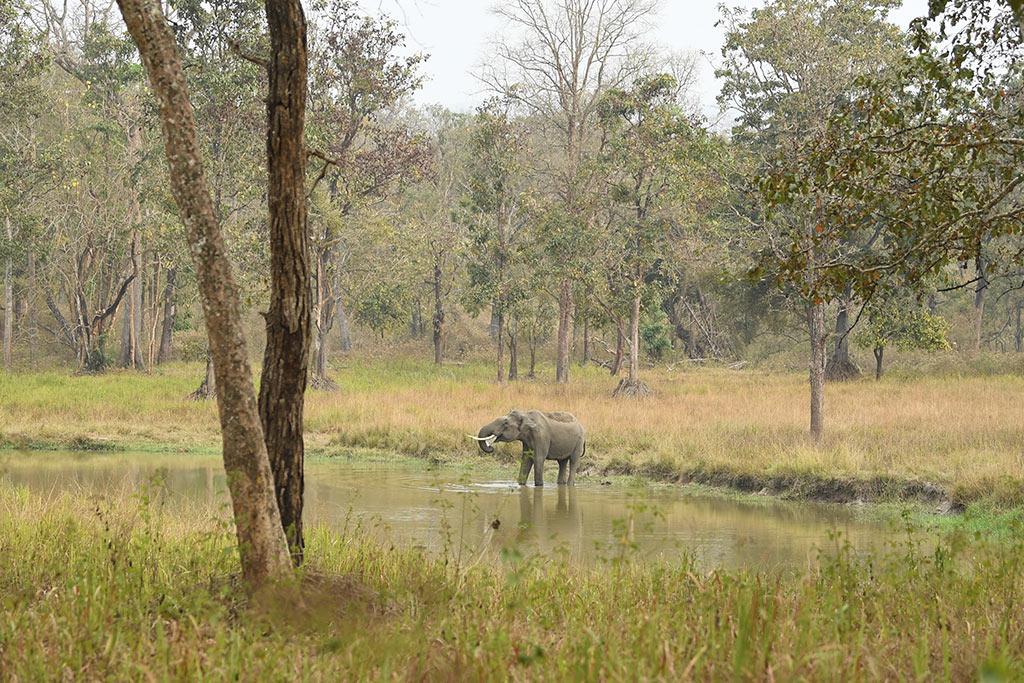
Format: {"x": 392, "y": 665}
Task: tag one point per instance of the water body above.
{"x": 487, "y": 514}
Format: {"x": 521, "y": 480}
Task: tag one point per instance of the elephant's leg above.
{"x": 561, "y": 471}
{"x": 574, "y": 461}
{"x": 525, "y": 466}
{"x": 538, "y": 467}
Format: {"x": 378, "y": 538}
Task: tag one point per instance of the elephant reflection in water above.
{"x": 547, "y": 529}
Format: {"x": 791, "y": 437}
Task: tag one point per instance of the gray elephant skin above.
{"x": 545, "y": 436}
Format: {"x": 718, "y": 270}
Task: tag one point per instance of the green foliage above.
{"x": 904, "y": 324}
{"x": 382, "y": 307}
{"x": 655, "y": 334}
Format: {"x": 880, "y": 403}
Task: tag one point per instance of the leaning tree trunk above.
{"x": 262, "y": 546}
{"x": 288, "y": 320}
{"x": 564, "y": 332}
{"x": 8, "y": 297}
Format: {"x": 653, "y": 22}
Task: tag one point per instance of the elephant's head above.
{"x": 506, "y": 428}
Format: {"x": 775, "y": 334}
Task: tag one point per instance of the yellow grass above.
{"x": 963, "y": 434}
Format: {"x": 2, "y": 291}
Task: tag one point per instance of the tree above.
{"x": 495, "y": 217}
{"x": 261, "y": 540}
{"x": 356, "y": 79}
{"x": 901, "y": 322}
{"x": 788, "y": 66}
{"x": 653, "y": 161}
{"x": 286, "y": 357}
{"x": 565, "y": 55}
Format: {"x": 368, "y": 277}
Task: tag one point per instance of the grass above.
{"x": 121, "y": 588}
{"x": 905, "y": 437}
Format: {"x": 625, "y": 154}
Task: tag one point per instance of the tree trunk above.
{"x": 620, "y": 343}
{"x": 816, "y": 328}
{"x": 261, "y": 542}
{"x": 8, "y": 297}
{"x": 634, "y": 341}
{"x": 879, "y": 351}
{"x": 840, "y": 366}
{"x": 170, "y": 312}
{"x": 131, "y": 330}
{"x": 979, "y": 299}
{"x": 533, "y": 357}
{"x": 288, "y": 320}
{"x": 586, "y": 340}
{"x": 438, "y": 321}
{"x": 501, "y": 345}
{"x": 632, "y": 386}
{"x": 344, "y": 332}
{"x": 208, "y": 387}
{"x": 513, "y": 357}
{"x": 1018, "y": 331}
{"x": 564, "y": 332}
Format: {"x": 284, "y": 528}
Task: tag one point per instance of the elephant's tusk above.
{"x": 489, "y": 440}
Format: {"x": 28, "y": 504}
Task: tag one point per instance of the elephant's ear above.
{"x": 528, "y": 425}
{"x": 516, "y": 417}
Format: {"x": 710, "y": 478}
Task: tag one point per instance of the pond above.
{"x": 486, "y": 513}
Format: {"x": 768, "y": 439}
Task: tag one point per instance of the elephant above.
{"x": 545, "y": 436}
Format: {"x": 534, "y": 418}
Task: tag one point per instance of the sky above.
{"x": 457, "y": 33}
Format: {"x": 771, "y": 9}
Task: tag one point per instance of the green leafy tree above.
{"x": 902, "y": 322}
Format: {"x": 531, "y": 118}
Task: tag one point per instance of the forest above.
{"x": 233, "y": 233}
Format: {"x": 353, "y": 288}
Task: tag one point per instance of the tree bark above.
{"x": 131, "y": 330}
{"x": 261, "y": 542}
{"x": 979, "y": 298}
{"x": 564, "y": 332}
{"x": 816, "y": 328}
{"x": 879, "y": 352}
{"x": 8, "y": 340}
{"x": 1018, "y": 330}
{"x": 634, "y": 340}
{"x": 208, "y": 387}
{"x": 513, "y": 357}
{"x": 586, "y": 340}
{"x": 344, "y": 332}
{"x": 620, "y": 343}
{"x": 501, "y": 345}
{"x": 288, "y": 320}
{"x": 533, "y": 357}
{"x": 840, "y": 366}
{"x": 438, "y": 321}
{"x": 170, "y": 312}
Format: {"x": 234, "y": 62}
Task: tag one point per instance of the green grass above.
{"x": 907, "y": 437}
{"x": 124, "y": 589}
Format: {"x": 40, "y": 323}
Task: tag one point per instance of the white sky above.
{"x": 456, "y": 34}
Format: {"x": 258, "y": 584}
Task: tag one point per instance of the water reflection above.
{"x": 446, "y": 510}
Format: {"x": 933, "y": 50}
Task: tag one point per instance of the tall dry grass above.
{"x": 964, "y": 434}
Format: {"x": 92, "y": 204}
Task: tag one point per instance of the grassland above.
{"x": 122, "y": 589}
{"x": 951, "y": 436}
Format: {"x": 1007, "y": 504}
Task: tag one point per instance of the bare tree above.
{"x": 561, "y": 56}
{"x": 261, "y": 540}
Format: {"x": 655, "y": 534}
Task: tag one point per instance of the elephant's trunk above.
{"x": 486, "y": 439}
